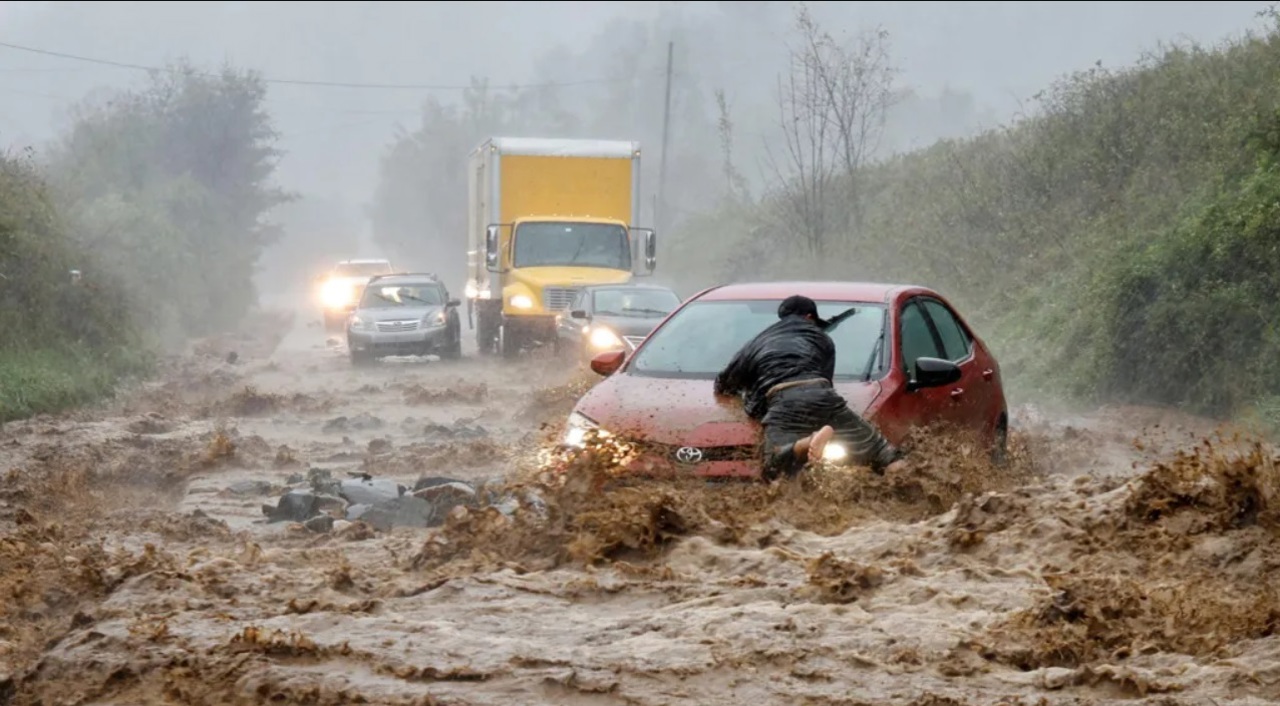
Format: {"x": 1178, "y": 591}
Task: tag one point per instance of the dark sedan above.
{"x": 614, "y": 317}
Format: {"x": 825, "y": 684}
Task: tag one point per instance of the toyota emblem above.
{"x": 689, "y": 455}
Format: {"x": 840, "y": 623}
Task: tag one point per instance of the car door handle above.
{"x": 988, "y": 374}
{"x": 957, "y": 393}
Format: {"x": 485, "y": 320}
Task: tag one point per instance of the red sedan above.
{"x": 906, "y": 358}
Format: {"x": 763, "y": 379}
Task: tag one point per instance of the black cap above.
{"x": 796, "y": 305}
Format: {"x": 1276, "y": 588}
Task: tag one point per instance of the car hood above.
{"x": 627, "y": 325}
{"x": 397, "y": 313}
{"x": 685, "y": 412}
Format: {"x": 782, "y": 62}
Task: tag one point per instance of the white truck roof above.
{"x": 559, "y": 147}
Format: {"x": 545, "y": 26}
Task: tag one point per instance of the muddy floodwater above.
{"x": 1126, "y": 555}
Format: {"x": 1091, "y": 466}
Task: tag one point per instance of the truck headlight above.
{"x": 522, "y": 301}
{"x": 576, "y": 428}
{"x": 603, "y": 338}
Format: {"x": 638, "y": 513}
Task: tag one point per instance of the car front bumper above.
{"x": 398, "y": 342}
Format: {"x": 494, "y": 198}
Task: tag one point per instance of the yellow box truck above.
{"x": 545, "y": 218}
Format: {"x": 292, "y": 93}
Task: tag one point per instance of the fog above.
{"x": 968, "y": 66}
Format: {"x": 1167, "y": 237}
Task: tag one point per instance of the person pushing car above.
{"x": 784, "y": 376}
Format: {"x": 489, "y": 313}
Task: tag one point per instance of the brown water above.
{"x": 1103, "y": 565}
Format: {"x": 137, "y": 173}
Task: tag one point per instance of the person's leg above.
{"x": 780, "y": 453}
{"x": 863, "y": 441}
{"x": 813, "y": 445}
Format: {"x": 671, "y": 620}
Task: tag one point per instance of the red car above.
{"x": 905, "y": 359}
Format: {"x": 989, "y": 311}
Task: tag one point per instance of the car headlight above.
{"x": 336, "y": 293}
{"x": 434, "y": 320}
{"x": 834, "y": 452}
{"x": 359, "y": 324}
{"x": 522, "y": 301}
{"x": 576, "y": 428}
{"x": 603, "y": 338}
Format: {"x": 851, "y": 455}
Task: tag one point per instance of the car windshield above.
{"x": 701, "y": 339}
{"x": 389, "y": 295}
{"x": 362, "y": 269}
{"x": 572, "y": 245}
{"x": 635, "y": 302}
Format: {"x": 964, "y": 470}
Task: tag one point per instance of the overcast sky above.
{"x": 999, "y": 52}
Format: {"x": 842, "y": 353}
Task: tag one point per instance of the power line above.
{"x": 330, "y": 84}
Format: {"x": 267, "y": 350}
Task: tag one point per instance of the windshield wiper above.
{"x": 875, "y": 353}
{"x": 641, "y": 310}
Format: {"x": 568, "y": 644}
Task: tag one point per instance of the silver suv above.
{"x": 404, "y": 314}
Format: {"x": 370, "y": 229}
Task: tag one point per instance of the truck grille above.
{"x": 558, "y": 298}
{"x": 396, "y": 326}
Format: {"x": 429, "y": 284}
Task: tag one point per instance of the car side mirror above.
{"x": 577, "y": 314}
{"x": 453, "y": 302}
{"x": 933, "y": 372}
{"x": 607, "y": 364}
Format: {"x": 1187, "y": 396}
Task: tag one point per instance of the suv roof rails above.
{"x": 429, "y": 275}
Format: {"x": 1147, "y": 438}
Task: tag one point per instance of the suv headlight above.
{"x": 576, "y": 428}
{"x": 436, "y": 319}
{"x": 359, "y": 324}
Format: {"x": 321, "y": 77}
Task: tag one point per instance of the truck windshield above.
{"x": 571, "y": 245}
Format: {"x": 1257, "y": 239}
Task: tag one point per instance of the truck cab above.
{"x": 549, "y": 217}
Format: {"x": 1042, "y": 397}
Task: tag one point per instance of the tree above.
{"x": 832, "y": 107}
{"x": 169, "y": 186}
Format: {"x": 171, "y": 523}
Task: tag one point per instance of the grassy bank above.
{"x": 56, "y": 379}
{"x": 1121, "y": 244}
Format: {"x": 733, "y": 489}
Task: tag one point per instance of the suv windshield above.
{"x": 699, "y": 341}
{"x": 640, "y": 303}
{"x": 572, "y": 244}
{"x": 389, "y": 295}
{"x": 362, "y": 269}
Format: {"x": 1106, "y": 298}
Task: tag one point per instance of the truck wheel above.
{"x": 510, "y": 342}
{"x": 486, "y": 333}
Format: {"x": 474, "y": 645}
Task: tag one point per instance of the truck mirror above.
{"x": 650, "y": 247}
{"x": 491, "y": 251}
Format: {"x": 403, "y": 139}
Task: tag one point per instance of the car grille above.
{"x": 633, "y": 341}
{"x": 396, "y": 326}
{"x": 558, "y": 298}
{"x": 671, "y": 452}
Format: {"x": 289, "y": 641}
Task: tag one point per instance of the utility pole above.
{"x": 658, "y": 221}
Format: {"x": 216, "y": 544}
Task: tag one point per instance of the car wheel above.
{"x": 361, "y": 359}
{"x": 1000, "y": 449}
{"x": 453, "y": 349}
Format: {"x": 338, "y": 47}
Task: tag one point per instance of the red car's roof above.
{"x": 839, "y": 291}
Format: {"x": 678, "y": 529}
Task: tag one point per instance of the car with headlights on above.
{"x": 404, "y": 314}
{"x": 905, "y": 358}
{"x": 609, "y": 317}
{"x": 340, "y": 289}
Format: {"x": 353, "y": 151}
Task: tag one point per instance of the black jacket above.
{"x": 794, "y": 348}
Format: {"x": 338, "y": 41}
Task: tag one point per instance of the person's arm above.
{"x": 733, "y": 378}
